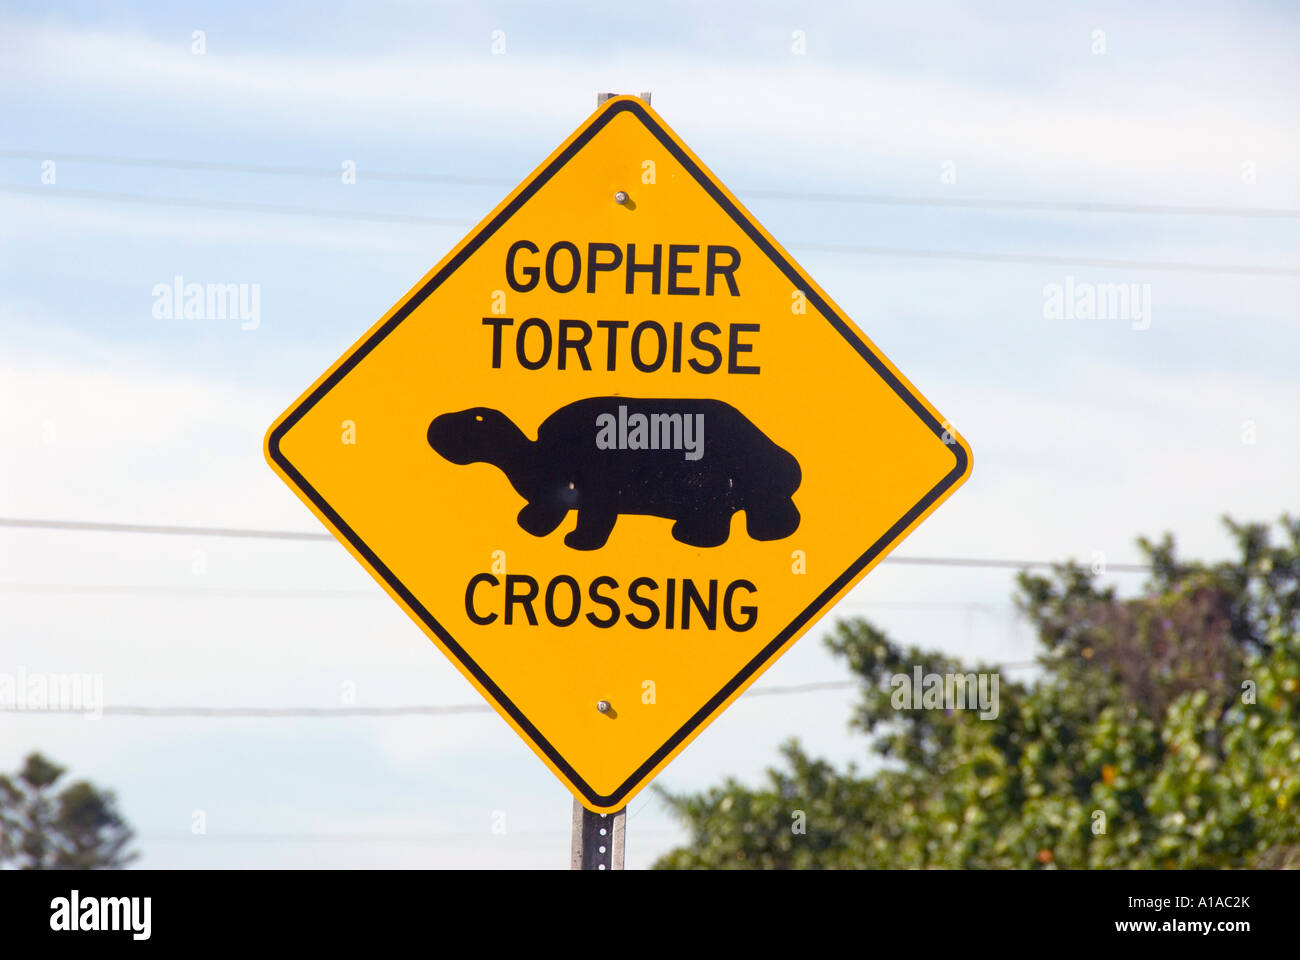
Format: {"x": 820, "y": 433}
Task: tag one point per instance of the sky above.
{"x": 1020, "y": 147}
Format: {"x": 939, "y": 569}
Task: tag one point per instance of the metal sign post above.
{"x": 598, "y": 839}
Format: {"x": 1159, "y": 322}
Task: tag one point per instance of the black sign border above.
{"x": 613, "y": 800}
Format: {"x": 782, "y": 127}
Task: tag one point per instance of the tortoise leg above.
{"x": 772, "y": 520}
{"x": 595, "y": 524}
{"x": 540, "y": 519}
{"x": 704, "y": 529}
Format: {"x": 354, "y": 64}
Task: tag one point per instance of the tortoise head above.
{"x": 476, "y": 435}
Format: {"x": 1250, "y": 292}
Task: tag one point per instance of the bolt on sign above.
{"x": 615, "y": 453}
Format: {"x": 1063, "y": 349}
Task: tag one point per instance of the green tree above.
{"x": 76, "y": 828}
{"x": 1162, "y": 732}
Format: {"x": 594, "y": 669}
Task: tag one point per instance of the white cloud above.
{"x": 1115, "y": 453}
{"x": 1095, "y": 133}
{"x": 30, "y": 219}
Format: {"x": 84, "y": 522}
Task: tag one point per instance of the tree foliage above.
{"x": 1161, "y": 732}
{"x": 76, "y": 828}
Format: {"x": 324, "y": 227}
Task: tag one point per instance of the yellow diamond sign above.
{"x": 616, "y": 453}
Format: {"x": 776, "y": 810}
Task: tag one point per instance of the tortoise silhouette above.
{"x": 737, "y": 468}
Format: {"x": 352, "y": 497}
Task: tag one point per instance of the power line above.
{"x": 999, "y": 564}
{"x": 799, "y": 688}
{"x": 1037, "y": 206}
{"x": 115, "y": 589}
{"x": 218, "y": 166}
{"x": 129, "y": 590}
{"x": 436, "y": 837}
{"x": 274, "y": 593}
{"x": 271, "y": 713}
{"x": 245, "y": 533}
{"x": 161, "y": 528}
{"x": 281, "y": 713}
{"x": 1158, "y": 266}
{"x": 238, "y": 206}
